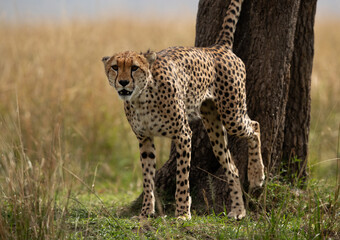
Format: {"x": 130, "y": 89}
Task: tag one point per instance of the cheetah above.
{"x": 162, "y": 90}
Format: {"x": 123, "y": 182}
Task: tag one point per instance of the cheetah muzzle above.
{"x": 124, "y": 93}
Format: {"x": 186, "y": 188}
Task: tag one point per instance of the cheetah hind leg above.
{"x": 255, "y": 164}
{"x": 218, "y": 139}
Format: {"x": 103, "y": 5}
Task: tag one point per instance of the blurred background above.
{"x": 58, "y": 113}
{"x": 38, "y": 10}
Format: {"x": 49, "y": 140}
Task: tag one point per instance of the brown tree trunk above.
{"x": 295, "y": 146}
{"x": 275, "y": 40}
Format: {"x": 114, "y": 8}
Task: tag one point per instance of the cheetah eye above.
{"x": 115, "y": 67}
{"x": 134, "y": 68}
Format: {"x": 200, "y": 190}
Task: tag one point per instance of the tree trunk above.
{"x": 275, "y": 40}
{"x": 296, "y": 132}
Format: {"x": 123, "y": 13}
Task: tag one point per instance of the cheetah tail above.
{"x": 226, "y": 35}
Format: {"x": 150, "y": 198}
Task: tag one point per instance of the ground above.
{"x": 285, "y": 212}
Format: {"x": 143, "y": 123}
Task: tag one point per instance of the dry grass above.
{"x": 57, "y": 111}
{"x": 55, "y": 76}
{"x": 325, "y": 115}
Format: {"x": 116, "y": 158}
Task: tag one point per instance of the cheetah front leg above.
{"x": 148, "y": 161}
{"x": 183, "y": 157}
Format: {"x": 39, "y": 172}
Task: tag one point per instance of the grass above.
{"x": 69, "y": 161}
{"x": 285, "y": 213}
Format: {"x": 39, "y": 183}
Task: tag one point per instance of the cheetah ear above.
{"x": 104, "y": 59}
{"x": 150, "y": 56}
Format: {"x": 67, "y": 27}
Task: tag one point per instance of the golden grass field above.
{"x": 54, "y": 96}
{"x": 325, "y": 115}
{"x": 58, "y": 114}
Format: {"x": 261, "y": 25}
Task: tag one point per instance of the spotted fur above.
{"x": 162, "y": 90}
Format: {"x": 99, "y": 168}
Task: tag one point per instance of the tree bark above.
{"x": 275, "y": 40}
{"x": 298, "y": 108}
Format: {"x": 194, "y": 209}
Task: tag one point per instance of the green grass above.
{"x": 283, "y": 213}
{"x": 35, "y": 208}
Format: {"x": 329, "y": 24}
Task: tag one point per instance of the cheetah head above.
{"x": 129, "y": 72}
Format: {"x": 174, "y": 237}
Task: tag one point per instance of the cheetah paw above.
{"x": 256, "y": 177}
{"x": 185, "y": 217}
{"x": 138, "y": 218}
{"x": 257, "y": 181}
{"x": 237, "y": 214}
{"x": 143, "y": 217}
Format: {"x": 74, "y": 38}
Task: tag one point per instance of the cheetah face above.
{"x": 128, "y": 72}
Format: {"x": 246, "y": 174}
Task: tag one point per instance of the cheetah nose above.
{"x": 123, "y": 82}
